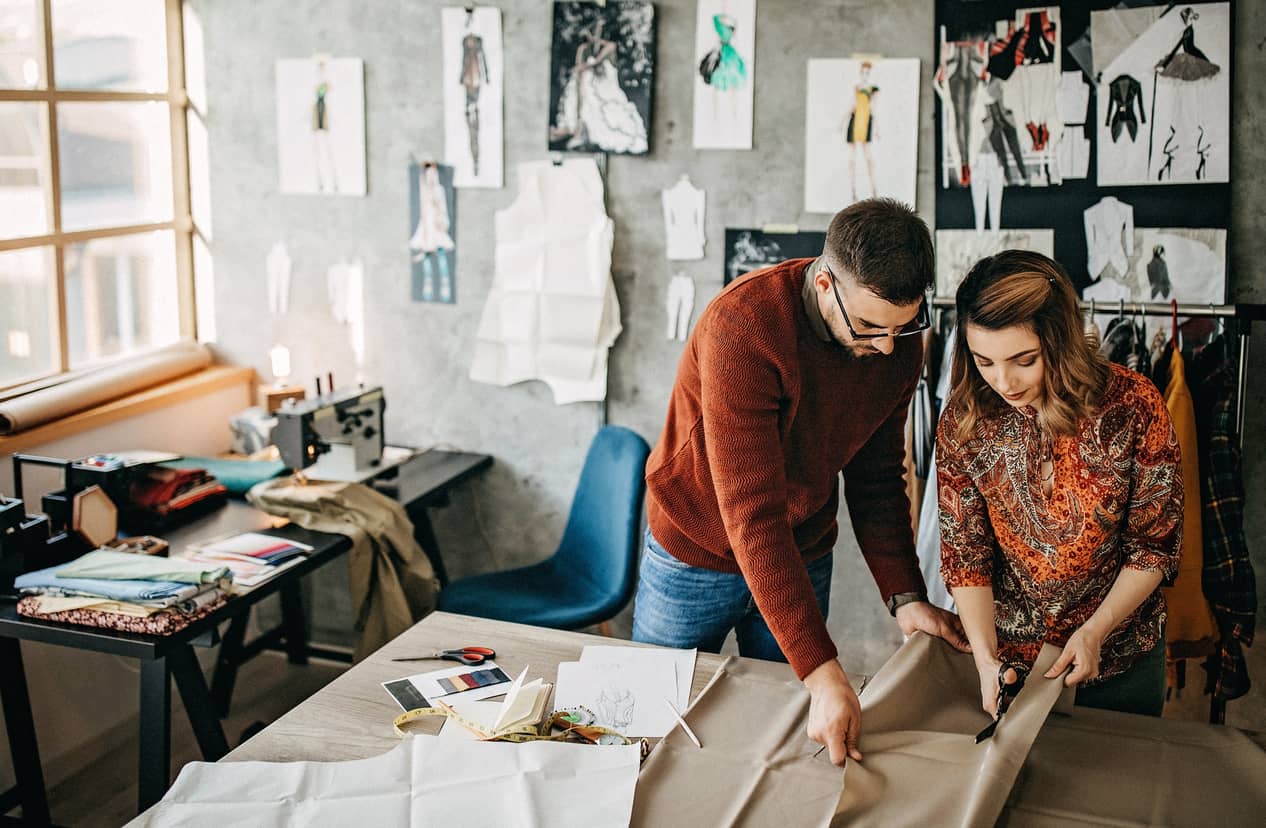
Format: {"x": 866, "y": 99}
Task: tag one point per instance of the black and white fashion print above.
{"x": 750, "y": 249}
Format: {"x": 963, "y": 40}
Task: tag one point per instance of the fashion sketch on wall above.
{"x": 473, "y": 69}
{"x": 433, "y": 227}
{"x": 725, "y": 62}
{"x": 1164, "y": 99}
{"x": 602, "y": 77}
{"x": 321, "y": 125}
{"x": 1160, "y": 264}
{"x": 998, "y": 85}
{"x": 958, "y": 250}
{"x": 751, "y": 249}
{"x": 861, "y": 132}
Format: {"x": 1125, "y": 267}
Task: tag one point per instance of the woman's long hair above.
{"x": 1018, "y": 287}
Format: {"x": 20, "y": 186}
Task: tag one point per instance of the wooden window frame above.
{"x": 181, "y": 224}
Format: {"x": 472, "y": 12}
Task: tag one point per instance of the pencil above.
{"x": 683, "y": 724}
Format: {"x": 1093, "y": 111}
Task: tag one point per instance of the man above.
{"x": 794, "y": 374}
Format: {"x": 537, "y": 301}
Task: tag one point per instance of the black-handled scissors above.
{"x": 1006, "y": 694}
{"x": 466, "y": 655}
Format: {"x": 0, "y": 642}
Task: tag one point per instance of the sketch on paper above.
{"x": 861, "y": 132}
{"x": 623, "y": 696}
{"x": 602, "y": 76}
{"x": 750, "y": 249}
{"x": 432, "y": 245}
{"x": 321, "y": 125}
{"x": 1188, "y": 265}
{"x": 958, "y": 250}
{"x": 473, "y": 91}
{"x": 1164, "y": 100}
{"x": 725, "y": 54}
{"x": 999, "y": 92}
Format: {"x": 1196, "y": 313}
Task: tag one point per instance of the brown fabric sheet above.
{"x": 164, "y": 622}
{"x": 38, "y": 407}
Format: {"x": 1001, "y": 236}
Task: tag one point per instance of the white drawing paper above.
{"x": 473, "y": 95}
{"x": 724, "y": 73}
{"x": 321, "y": 126}
{"x": 622, "y": 696}
{"x": 958, "y": 250}
{"x": 680, "y": 662}
{"x": 861, "y": 132}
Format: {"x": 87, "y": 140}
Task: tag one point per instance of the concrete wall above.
{"x": 420, "y": 353}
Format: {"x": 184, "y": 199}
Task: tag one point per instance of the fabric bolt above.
{"x": 684, "y": 206}
{"x": 681, "y": 304}
{"x": 1109, "y": 236}
{"x": 164, "y": 622}
{"x": 161, "y": 593}
{"x": 128, "y": 566}
{"x": 552, "y": 312}
{"x": 390, "y": 578}
{"x": 745, "y": 476}
{"x": 1117, "y": 501}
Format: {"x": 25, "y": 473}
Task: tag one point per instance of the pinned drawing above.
{"x": 602, "y": 76}
{"x": 432, "y": 246}
{"x": 321, "y": 126}
{"x": 861, "y": 132}
{"x": 624, "y": 697}
{"x": 725, "y": 54}
{"x": 473, "y": 91}
{"x": 958, "y": 250}
{"x": 751, "y": 249}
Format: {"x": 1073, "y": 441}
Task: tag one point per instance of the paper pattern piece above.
{"x": 958, "y": 250}
{"x": 425, "y": 781}
{"x": 1164, "y": 100}
{"x": 681, "y": 304}
{"x": 473, "y": 95}
{"x": 751, "y": 249}
{"x": 725, "y": 69}
{"x": 684, "y": 206}
{"x": 861, "y": 132}
{"x": 321, "y": 126}
{"x": 278, "y": 268}
{"x": 602, "y": 76}
{"x": 433, "y": 243}
{"x": 552, "y": 312}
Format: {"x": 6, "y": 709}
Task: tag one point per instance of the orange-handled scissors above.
{"x": 466, "y": 655}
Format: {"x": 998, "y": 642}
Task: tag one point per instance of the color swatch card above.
{"x": 462, "y": 682}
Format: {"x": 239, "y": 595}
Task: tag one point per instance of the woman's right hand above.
{"x": 988, "y": 669}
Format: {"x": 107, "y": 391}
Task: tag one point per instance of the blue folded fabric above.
{"x": 46, "y": 582}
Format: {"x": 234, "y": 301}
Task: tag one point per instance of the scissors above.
{"x": 1006, "y": 695}
{"x": 466, "y": 655}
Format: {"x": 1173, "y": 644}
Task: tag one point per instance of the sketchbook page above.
{"x": 681, "y": 662}
{"x": 628, "y": 700}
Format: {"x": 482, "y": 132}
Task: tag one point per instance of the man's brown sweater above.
{"x": 766, "y": 411}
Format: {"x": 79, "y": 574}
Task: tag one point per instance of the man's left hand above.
{"x": 922, "y": 616}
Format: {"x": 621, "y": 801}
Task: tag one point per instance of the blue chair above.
{"x": 593, "y": 574}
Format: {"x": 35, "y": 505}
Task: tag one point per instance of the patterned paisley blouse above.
{"x": 1116, "y": 501}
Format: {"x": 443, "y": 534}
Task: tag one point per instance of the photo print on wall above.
{"x": 473, "y": 90}
{"x": 602, "y": 77}
{"x": 958, "y": 250}
{"x": 321, "y": 126}
{"x": 748, "y": 249}
{"x": 433, "y": 226}
{"x": 725, "y": 66}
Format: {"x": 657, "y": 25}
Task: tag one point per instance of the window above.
{"x": 97, "y": 237}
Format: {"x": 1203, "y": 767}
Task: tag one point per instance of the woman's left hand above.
{"x": 1082, "y": 653}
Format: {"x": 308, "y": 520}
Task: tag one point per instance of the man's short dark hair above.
{"x": 885, "y": 246}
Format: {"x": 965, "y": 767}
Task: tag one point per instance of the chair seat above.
{"x": 536, "y": 595}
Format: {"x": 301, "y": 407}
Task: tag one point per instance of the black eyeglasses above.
{"x": 921, "y": 322}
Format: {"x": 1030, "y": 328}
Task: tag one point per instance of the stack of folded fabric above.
{"x": 124, "y": 591}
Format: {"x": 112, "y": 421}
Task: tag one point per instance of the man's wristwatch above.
{"x": 900, "y": 599}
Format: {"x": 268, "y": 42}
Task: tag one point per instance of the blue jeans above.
{"x": 685, "y": 606}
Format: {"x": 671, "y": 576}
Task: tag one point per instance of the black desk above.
{"x": 421, "y": 482}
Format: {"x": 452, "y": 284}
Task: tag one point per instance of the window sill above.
{"x": 188, "y": 387}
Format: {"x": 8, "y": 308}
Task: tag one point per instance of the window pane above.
{"x": 27, "y": 314}
{"x": 195, "y": 59}
{"x": 121, "y": 295}
{"x": 204, "y": 289}
{"x": 199, "y": 173}
{"x": 115, "y": 163}
{"x": 118, "y": 45}
{"x": 21, "y": 45}
{"x": 24, "y": 170}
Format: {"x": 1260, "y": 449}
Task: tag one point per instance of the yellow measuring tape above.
{"x": 571, "y": 730}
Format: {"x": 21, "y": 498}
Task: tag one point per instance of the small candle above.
{"x": 280, "y": 358}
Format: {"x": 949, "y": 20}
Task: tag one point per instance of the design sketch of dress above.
{"x": 431, "y": 239}
{"x": 1158, "y": 274}
{"x": 1000, "y": 122}
{"x": 322, "y": 150}
{"x": 859, "y": 122}
{"x": 957, "y": 82}
{"x": 1125, "y": 97}
{"x": 594, "y": 109}
{"x": 1186, "y": 62}
{"x": 723, "y": 67}
{"x": 860, "y": 129}
{"x": 474, "y": 75}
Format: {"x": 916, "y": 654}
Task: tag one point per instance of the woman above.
{"x": 594, "y": 112}
{"x": 1060, "y": 492}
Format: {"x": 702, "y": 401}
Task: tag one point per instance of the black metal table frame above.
{"x": 163, "y": 658}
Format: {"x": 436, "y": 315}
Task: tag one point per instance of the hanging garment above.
{"x": 1125, "y": 107}
{"x": 389, "y": 576}
{"x": 278, "y": 265}
{"x": 928, "y": 541}
{"x": 552, "y": 312}
{"x": 986, "y": 190}
{"x": 1109, "y": 236}
{"x": 1190, "y": 631}
{"x": 681, "y": 304}
{"x": 684, "y": 206}
{"x": 1126, "y": 344}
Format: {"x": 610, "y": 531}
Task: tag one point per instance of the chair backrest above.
{"x": 601, "y": 542}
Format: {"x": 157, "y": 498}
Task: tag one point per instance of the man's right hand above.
{"x": 835, "y": 715}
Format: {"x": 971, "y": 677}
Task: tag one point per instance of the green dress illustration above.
{"x": 723, "y": 67}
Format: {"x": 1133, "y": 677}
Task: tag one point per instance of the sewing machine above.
{"x": 336, "y": 436}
